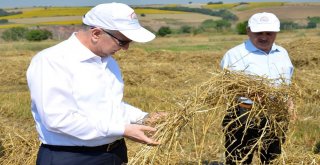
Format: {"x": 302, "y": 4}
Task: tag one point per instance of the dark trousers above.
{"x": 241, "y": 136}
{"x": 117, "y": 156}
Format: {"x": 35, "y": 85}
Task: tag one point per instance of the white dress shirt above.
{"x": 247, "y": 58}
{"x": 77, "y": 96}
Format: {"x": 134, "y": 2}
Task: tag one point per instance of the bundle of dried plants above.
{"x": 192, "y": 133}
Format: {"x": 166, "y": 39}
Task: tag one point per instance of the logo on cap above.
{"x": 133, "y": 16}
{"x": 264, "y": 19}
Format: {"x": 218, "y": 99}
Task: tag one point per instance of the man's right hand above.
{"x": 136, "y": 133}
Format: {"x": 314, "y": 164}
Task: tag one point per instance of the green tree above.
{"x": 311, "y": 25}
{"x": 288, "y": 25}
{"x": 241, "y": 27}
{"x": 208, "y": 24}
{"x": 38, "y": 35}
{"x": 222, "y": 24}
{"x": 164, "y": 30}
{"x": 14, "y": 34}
{"x": 217, "y": 25}
{"x": 185, "y": 29}
{"x": 313, "y": 21}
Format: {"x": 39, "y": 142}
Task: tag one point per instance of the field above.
{"x": 160, "y": 75}
{"x": 157, "y": 76}
{"x": 154, "y": 18}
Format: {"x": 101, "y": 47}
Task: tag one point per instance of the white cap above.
{"x": 120, "y": 17}
{"x": 264, "y": 22}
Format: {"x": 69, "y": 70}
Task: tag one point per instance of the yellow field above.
{"x": 249, "y": 6}
{"x": 221, "y": 6}
{"x": 68, "y": 16}
{"x": 254, "y": 5}
{"x": 50, "y": 12}
{"x": 72, "y": 11}
{"x": 158, "y": 76}
{"x": 156, "y": 11}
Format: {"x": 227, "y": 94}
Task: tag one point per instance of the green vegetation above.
{"x": 21, "y": 33}
{"x": 185, "y": 29}
{"x": 3, "y": 21}
{"x": 241, "y": 27}
{"x": 164, "y": 30}
{"x": 38, "y": 35}
{"x": 313, "y": 21}
{"x": 5, "y": 13}
{"x": 14, "y": 34}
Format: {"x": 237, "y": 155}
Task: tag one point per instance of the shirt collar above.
{"x": 251, "y": 48}
{"x": 83, "y": 53}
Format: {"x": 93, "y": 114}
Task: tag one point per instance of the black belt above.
{"x": 103, "y": 148}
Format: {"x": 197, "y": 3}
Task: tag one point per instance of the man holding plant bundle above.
{"x": 259, "y": 56}
{"x": 77, "y": 89}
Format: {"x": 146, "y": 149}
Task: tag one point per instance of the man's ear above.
{"x": 248, "y": 29}
{"x": 96, "y": 33}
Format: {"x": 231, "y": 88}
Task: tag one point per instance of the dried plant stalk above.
{"x": 198, "y": 119}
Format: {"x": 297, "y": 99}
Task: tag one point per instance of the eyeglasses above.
{"x": 120, "y": 42}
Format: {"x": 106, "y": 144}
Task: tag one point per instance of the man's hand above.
{"x": 136, "y": 133}
{"x": 153, "y": 117}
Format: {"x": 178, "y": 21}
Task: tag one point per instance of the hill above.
{"x": 154, "y": 19}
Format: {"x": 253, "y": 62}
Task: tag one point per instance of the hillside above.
{"x": 153, "y": 18}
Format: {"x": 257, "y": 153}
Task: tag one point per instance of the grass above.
{"x": 159, "y": 76}
{"x": 7, "y": 26}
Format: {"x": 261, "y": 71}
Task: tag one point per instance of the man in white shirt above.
{"x": 260, "y": 56}
{"x": 77, "y": 89}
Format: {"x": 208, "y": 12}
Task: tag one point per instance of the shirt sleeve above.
{"x": 226, "y": 61}
{"x": 51, "y": 93}
{"x": 134, "y": 114}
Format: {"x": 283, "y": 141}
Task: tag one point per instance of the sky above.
{"x": 31, "y": 3}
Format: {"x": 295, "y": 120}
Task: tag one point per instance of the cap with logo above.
{"x": 119, "y": 17}
{"x": 264, "y": 22}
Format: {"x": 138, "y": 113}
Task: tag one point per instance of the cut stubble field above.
{"x": 159, "y": 76}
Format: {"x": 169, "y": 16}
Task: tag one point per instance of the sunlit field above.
{"x": 244, "y": 6}
{"x": 70, "y": 16}
{"x": 158, "y": 77}
{"x": 50, "y": 12}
